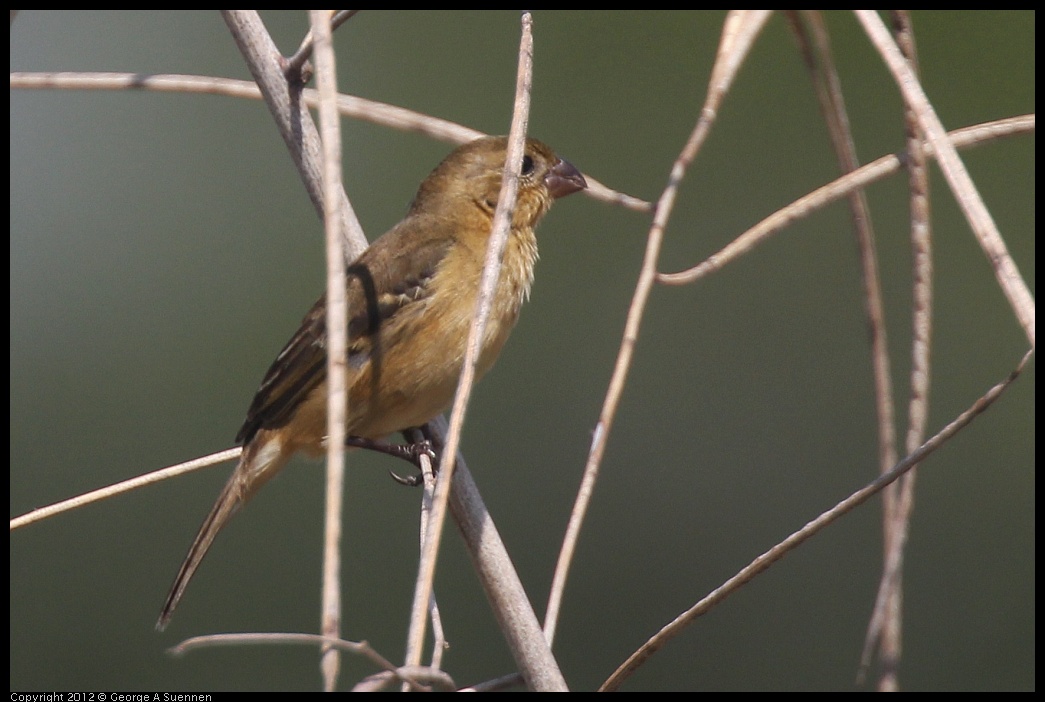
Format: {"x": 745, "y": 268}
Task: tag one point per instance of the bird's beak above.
{"x": 563, "y": 179}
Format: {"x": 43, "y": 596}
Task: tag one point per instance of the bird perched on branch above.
{"x": 411, "y": 298}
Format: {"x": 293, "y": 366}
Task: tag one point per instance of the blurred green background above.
{"x": 163, "y": 249}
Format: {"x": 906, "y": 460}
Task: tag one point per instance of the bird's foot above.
{"x": 411, "y": 453}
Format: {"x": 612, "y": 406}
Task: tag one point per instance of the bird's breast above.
{"x": 416, "y": 357}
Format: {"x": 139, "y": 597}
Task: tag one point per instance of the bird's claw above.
{"x": 411, "y": 453}
{"x": 411, "y": 481}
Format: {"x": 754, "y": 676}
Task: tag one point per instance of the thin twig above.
{"x": 541, "y": 674}
{"x": 41, "y": 513}
{"x": 415, "y": 436}
{"x": 337, "y": 343}
{"x": 416, "y": 678}
{"x": 439, "y": 643}
{"x": 886, "y": 622}
{"x": 673, "y": 629}
{"x": 879, "y": 169}
{"x": 296, "y": 62}
{"x": 832, "y": 105}
{"x": 739, "y": 32}
{"x": 495, "y": 570}
{"x": 976, "y": 213}
{"x": 379, "y": 682}
{"x": 292, "y": 117}
{"x": 379, "y": 113}
{"x": 495, "y": 684}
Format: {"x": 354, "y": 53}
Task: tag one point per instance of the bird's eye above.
{"x": 527, "y": 165}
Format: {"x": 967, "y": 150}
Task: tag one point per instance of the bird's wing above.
{"x": 386, "y": 280}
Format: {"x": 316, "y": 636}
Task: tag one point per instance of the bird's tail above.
{"x": 253, "y": 470}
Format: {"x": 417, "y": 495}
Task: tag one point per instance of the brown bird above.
{"x": 411, "y": 299}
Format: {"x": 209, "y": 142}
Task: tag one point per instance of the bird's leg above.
{"x": 411, "y": 453}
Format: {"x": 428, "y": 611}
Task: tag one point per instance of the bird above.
{"x": 411, "y": 297}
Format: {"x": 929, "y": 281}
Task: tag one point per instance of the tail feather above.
{"x": 228, "y": 501}
{"x": 260, "y": 461}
